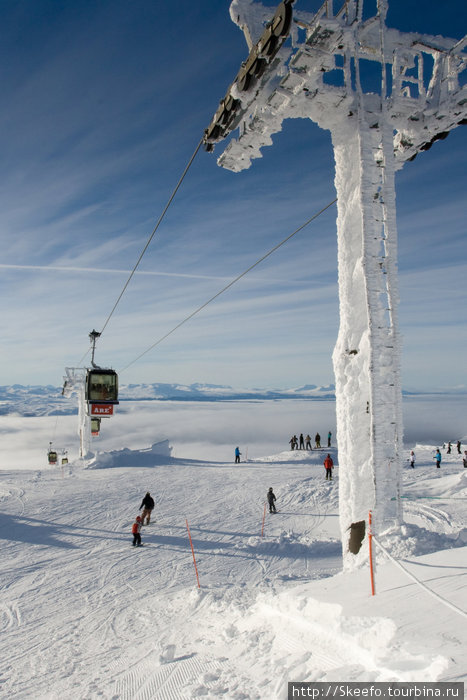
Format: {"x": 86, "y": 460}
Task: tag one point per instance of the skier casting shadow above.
{"x": 147, "y": 504}
{"x": 136, "y": 532}
{"x": 329, "y": 466}
{"x": 271, "y": 498}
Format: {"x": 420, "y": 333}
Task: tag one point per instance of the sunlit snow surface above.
{"x": 84, "y": 615}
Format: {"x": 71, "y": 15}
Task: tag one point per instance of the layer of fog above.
{"x": 212, "y": 430}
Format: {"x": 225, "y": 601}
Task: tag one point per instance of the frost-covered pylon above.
{"x": 384, "y": 96}
{"x": 75, "y": 383}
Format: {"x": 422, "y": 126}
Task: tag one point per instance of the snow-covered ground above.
{"x": 85, "y": 615}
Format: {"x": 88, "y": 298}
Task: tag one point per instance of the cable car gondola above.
{"x": 101, "y": 391}
{"x": 102, "y": 386}
{"x": 52, "y": 457}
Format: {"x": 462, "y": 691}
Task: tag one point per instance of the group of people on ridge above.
{"x": 304, "y": 443}
{"x": 458, "y": 445}
{"x": 437, "y": 456}
{"x": 148, "y": 506}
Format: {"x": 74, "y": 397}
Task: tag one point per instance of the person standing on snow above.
{"x": 328, "y": 465}
{"x": 412, "y": 459}
{"x": 464, "y": 459}
{"x": 147, "y": 504}
{"x": 237, "y": 455}
{"x": 271, "y": 498}
{"x": 458, "y": 447}
{"x": 329, "y": 438}
{"x": 438, "y": 458}
{"x": 308, "y": 442}
{"x": 318, "y": 440}
{"x": 448, "y": 451}
{"x": 302, "y": 442}
{"x": 136, "y": 532}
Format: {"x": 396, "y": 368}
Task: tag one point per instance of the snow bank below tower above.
{"x": 150, "y": 457}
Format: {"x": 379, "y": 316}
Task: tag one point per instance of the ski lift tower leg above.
{"x": 367, "y": 354}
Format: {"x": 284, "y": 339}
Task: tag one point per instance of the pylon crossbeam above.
{"x": 419, "y": 113}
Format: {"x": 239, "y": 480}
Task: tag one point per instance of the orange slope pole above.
{"x": 370, "y": 545}
{"x": 193, "y": 552}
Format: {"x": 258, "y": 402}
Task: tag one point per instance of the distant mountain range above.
{"x": 48, "y": 400}
{"x": 36, "y": 400}
{"x": 219, "y": 392}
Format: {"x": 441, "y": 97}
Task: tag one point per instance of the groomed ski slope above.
{"x": 85, "y": 615}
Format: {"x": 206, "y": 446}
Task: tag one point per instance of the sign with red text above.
{"x": 101, "y": 409}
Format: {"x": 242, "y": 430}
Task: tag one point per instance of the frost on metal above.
{"x": 74, "y": 383}
{"x": 322, "y": 73}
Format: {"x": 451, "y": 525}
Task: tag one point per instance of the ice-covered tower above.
{"x": 385, "y": 96}
{"x": 75, "y": 383}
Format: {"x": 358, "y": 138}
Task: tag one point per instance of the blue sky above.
{"x": 103, "y": 103}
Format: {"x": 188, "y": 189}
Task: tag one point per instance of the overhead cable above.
{"x": 234, "y": 281}
{"x": 171, "y": 198}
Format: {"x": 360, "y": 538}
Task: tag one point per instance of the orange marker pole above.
{"x": 370, "y": 545}
{"x": 193, "y": 552}
{"x": 264, "y": 515}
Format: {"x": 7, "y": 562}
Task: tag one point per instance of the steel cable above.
{"x": 228, "y": 286}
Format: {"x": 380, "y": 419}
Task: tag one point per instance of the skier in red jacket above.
{"x": 136, "y": 532}
{"x": 328, "y": 465}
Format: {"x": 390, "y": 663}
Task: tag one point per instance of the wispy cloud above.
{"x": 97, "y": 123}
{"x": 104, "y": 271}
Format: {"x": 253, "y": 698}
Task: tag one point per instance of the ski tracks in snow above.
{"x": 428, "y": 516}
